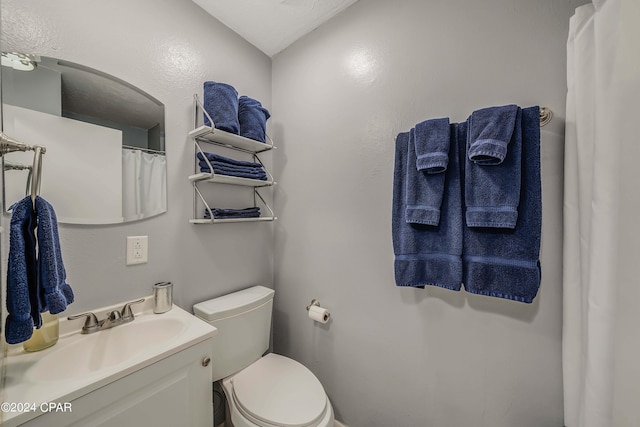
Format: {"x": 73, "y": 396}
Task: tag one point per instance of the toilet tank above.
{"x": 243, "y": 320}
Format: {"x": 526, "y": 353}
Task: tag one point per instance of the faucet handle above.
{"x": 127, "y": 313}
{"x": 90, "y": 324}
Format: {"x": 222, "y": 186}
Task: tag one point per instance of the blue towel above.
{"x": 432, "y": 145}
{"x": 490, "y": 131}
{"x": 505, "y": 263}
{"x": 492, "y": 192}
{"x": 424, "y": 254}
{"x": 253, "y": 118}
{"x": 219, "y": 213}
{"x": 22, "y": 290}
{"x": 212, "y": 157}
{"x": 424, "y": 191}
{"x": 238, "y": 171}
{"x": 54, "y": 292}
{"x": 221, "y": 103}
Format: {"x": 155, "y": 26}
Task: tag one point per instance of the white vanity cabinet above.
{"x": 175, "y": 391}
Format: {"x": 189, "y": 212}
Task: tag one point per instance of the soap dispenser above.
{"x": 46, "y": 336}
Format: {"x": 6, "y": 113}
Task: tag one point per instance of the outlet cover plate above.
{"x": 137, "y": 250}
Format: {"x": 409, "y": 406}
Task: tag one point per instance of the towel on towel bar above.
{"x": 424, "y": 191}
{"x": 492, "y": 191}
{"x": 221, "y": 103}
{"x": 22, "y": 287}
{"x": 432, "y": 145}
{"x": 505, "y": 263}
{"x": 35, "y": 282}
{"x": 425, "y": 254}
{"x": 252, "y": 117}
{"x": 490, "y": 130}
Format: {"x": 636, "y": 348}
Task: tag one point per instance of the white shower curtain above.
{"x": 143, "y": 184}
{"x": 602, "y": 161}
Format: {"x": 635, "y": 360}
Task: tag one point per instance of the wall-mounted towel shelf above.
{"x": 216, "y": 137}
{"x": 219, "y": 137}
{"x": 226, "y": 179}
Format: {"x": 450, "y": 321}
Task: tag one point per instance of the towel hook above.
{"x": 37, "y": 174}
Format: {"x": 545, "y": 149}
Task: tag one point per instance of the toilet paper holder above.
{"x": 313, "y": 302}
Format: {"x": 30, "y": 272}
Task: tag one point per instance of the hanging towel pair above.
{"x": 425, "y": 183}
{"x": 493, "y": 167}
{"x": 498, "y": 262}
{"x": 36, "y": 282}
{"x": 427, "y": 254}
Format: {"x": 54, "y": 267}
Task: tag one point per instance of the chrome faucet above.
{"x": 113, "y": 319}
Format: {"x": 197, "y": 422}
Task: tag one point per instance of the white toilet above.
{"x": 264, "y": 391}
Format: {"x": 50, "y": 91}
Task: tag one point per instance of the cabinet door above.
{"x": 175, "y": 391}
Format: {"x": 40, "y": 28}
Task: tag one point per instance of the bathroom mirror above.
{"x": 105, "y": 159}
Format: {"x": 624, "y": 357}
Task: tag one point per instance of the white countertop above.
{"x": 24, "y": 385}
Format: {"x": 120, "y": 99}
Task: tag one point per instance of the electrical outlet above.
{"x": 137, "y": 249}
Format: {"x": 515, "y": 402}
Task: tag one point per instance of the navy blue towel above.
{"x": 253, "y": 119}
{"x": 505, "y": 263}
{"x": 238, "y": 171}
{"x": 54, "y": 291}
{"x": 212, "y": 157}
{"x": 22, "y": 288}
{"x": 432, "y": 145}
{"x": 424, "y": 191}
{"x": 425, "y": 254}
{"x": 221, "y": 103}
{"x": 492, "y": 191}
{"x": 490, "y": 131}
{"x": 220, "y": 213}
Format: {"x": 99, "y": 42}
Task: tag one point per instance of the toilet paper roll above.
{"x": 319, "y": 314}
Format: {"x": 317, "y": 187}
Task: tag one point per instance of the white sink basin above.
{"x": 91, "y": 353}
{"x": 81, "y": 363}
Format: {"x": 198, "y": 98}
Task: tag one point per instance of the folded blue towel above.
{"x": 233, "y": 213}
{"x": 492, "y": 192}
{"x": 505, "y": 263}
{"x": 54, "y": 292}
{"x": 22, "y": 288}
{"x": 238, "y": 171}
{"x": 253, "y": 118}
{"x": 432, "y": 145}
{"x": 424, "y": 254}
{"x": 490, "y": 131}
{"x": 221, "y": 103}
{"x": 212, "y": 157}
{"x": 221, "y": 165}
{"x": 424, "y": 191}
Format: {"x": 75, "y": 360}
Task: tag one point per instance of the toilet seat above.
{"x": 278, "y": 391}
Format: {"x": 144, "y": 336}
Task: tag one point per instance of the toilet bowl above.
{"x": 261, "y": 391}
{"x": 277, "y": 391}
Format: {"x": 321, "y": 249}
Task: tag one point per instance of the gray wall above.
{"x": 395, "y": 356}
{"x": 168, "y": 48}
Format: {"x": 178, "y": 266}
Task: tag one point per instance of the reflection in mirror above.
{"x": 105, "y": 160}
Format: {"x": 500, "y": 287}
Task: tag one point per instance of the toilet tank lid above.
{"x": 233, "y": 304}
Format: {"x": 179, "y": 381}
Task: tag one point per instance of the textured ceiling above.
{"x": 272, "y": 25}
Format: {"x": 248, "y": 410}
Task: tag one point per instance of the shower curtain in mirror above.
{"x": 143, "y": 184}
{"x": 601, "y": 211}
